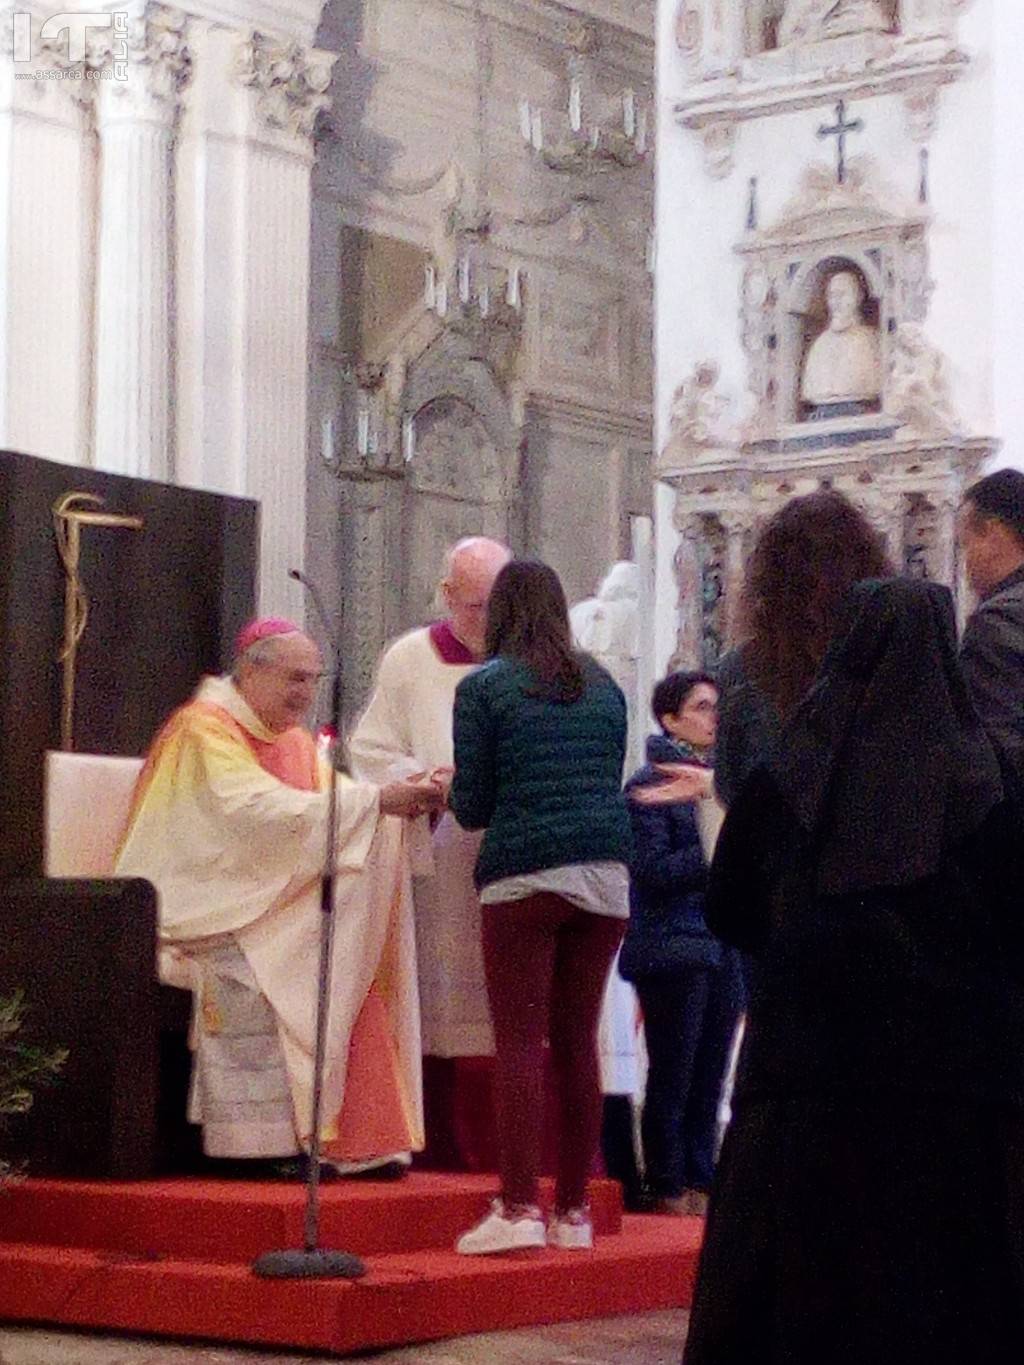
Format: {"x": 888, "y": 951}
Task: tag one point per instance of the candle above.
{"x": 485, "y": 300}
{"x": 537, "y": 131}
{"x": 575, "y": 105}
{"x": 464, "y": 279}
{"x": 327, "y": 440}
{"x": 629, "y": 113}
{"x": 525, "y": 124}
{"x": 363, "y": 432}
{"x": 430, "y": 288}
{"x": 512, "y": 287}
{"x": 408, "y": 440}
{"x": 442, "y": 299}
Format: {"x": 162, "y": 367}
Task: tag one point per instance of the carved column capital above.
{"x": 143, "y": 63}
{"x": 290, "y": 81}
{"x": 158, "y": 39}
{"x": 735, "y": 521}
{"x": 687, "y": 522}
{"x": 43, "y": 61}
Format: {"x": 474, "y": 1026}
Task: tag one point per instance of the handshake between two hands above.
{"x": 423, "y": 793}
{"x": 680, "y": 782}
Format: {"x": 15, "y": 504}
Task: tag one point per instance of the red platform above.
{"x": 173, "y": 1258}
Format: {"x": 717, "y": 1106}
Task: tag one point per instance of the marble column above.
{"x": 686, "y": 564}
{"x": 136, "y": 120}
{"x": 946, "y": 505}
{"x": 243, "y": 239}
{"x": 736, "y": 524}
{"x": 47, "y": 160}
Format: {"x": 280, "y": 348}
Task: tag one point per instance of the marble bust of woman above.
{"x": 843, "y": 364}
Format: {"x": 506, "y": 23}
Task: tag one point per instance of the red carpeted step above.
{"x": 415, "y": 1296}
{"x": 224, "y": 1221}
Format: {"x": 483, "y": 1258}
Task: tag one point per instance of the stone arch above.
{"x": 463, "y": 476}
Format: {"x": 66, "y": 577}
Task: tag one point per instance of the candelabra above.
{"x": 620, "y": 141}
{"x": 371, "y": 435}
{"x": 471, "y": 287}
{"x": 364, "y": 428}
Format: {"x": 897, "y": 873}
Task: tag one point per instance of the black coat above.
{"x": 908, "y": 990}
{"x": 869, "y": 1201}
{"x": 992, "y": 657}
{"x": 666, "y": 934}
{"x": 872, "y": 869}
{"x": 748, "y": 727}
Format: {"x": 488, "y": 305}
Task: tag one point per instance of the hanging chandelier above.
{"x": 579, "y": 141}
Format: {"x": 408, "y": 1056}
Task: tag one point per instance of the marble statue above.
{"x": 608, "y": 627}
{"x": 809, "y": 21}
{"x": 843, "y": 364}
{"x": 698, "y": 419}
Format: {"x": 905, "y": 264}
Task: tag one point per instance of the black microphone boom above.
{"x": 314, "y": 1261}
{"x": 334, "y": 643}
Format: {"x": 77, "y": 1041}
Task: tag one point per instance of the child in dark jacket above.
{"x": 689, "y": 984}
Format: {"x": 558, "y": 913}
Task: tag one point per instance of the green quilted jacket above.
{"x": 542, "y": 778}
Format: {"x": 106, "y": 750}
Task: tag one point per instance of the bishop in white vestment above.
{"x": 229, "y": 822}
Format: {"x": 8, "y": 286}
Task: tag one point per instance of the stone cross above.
{"x": 839, "y": 130}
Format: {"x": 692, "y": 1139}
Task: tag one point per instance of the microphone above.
{"x": 332, "y": 638}
{"x": 313, "y": 1260}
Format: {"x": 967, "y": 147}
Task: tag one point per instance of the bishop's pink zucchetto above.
{"x": 262, "y": 629}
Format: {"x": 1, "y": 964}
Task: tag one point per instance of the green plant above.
{"x": 24, "y": 1067}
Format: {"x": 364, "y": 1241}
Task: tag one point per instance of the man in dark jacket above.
{"x": 992, "y": 654}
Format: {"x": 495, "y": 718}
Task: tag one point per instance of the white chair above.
{"x": 87, "y": 799}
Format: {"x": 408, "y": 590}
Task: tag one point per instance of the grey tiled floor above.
{"x": 647, "y": 1339}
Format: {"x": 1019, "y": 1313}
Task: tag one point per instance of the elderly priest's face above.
{"x": 281, "y": 685}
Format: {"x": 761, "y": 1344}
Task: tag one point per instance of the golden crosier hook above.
{"x": 71, "y": 512}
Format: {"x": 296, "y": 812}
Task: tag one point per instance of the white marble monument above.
{"x": 836, "y": 280}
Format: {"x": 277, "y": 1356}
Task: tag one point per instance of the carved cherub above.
{"x": 698, "y": 411}
{"x": 918, "y": 388}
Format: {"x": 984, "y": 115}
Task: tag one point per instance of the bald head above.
{"x": 470, "y": 568}
{"x": 278, "y": 677}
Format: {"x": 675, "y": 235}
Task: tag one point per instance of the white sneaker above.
{"x": 497, "y": 1232}
{"x": 572, "y": 1231}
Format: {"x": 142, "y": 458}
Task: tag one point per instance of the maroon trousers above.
{"x": 546, "y": 964}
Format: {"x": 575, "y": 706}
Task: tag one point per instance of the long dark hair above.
{"x": 807, "y": 557}
{"x": 528, "y": 620}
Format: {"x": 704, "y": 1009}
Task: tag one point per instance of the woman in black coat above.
{"x": 688, "y": 983}
{"x": 869, "y": 1201}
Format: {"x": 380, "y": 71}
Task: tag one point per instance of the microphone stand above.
{"x": 314, "y": 1261}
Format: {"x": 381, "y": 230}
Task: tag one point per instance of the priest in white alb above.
{"x": 229, "y": 821}
{"x": 407, "y": 728}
